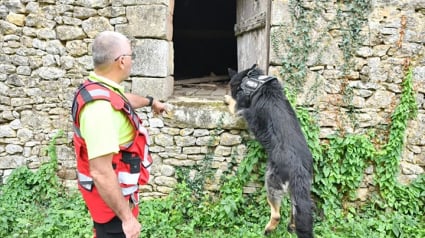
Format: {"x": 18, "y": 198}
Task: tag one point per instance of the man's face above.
{"x": 125, "y": 60}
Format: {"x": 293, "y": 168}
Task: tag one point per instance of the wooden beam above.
{"x": 207, "y": 79}
{"x": 203, "y": 34}
{"x": 253, "y": 23}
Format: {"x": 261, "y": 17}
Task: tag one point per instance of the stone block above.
{"x": 281, "y": 12}
{"x": 7, "y": 27}
{"x": 95, "y": 25}
{"x": 159, "y": 88}
{"x": 17, "y": 19}
{"x": 201, "y": 113}
{"x": 153, "y": 59}
{"x": 65, "y": 33}
{"x": 12, "y": 162}
{"x": 93, "y": 3}
{"x": 148, "y": 21}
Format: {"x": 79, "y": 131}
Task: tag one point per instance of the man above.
{"x": 110, "y": 141}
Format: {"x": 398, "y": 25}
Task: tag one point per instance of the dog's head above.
{"x": 236, "y": 80}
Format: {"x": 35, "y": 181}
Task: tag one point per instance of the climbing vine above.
{"x": 204, "y": 173}
{"x": 351, "y": 17}
{"x": 387, "y": 161}
{"x": 298, "y": 45}
{"x": 341, "y": 166}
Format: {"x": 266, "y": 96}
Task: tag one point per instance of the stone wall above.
{"x": 45, "y": 54}
{"x": 196, "y": 134}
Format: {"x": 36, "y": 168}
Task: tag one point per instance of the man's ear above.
{"x": 231, "y": 72}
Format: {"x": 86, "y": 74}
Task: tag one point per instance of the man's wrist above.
{"x": 150, "y": 100}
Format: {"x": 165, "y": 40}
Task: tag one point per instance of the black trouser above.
{"x": 111, "y": 229}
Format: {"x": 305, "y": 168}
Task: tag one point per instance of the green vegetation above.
{"x": 34, "y": 204}
{"x": 393, "y": 210}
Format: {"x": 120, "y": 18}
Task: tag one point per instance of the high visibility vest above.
{"x": 131, "y": 164}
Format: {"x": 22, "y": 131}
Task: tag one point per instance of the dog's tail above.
{"x": 300, "y": 186}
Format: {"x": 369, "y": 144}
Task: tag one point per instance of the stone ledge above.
{"x": 201, "y": 113}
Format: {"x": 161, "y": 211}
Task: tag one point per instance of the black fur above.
{"x": 275, "y": 125}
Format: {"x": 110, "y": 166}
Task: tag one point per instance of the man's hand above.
{"x": 158, "y": 107}
{"x": 131, "y": 228}
{"x": 107, "y": 185}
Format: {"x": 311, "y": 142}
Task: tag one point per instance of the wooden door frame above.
{"x": 256, "y": 22}
{"x": 268, "y": 27}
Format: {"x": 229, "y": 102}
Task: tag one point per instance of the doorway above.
{"x": 204, "y": 38}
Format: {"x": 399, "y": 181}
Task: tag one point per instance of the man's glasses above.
{"x": 133, "y": 56}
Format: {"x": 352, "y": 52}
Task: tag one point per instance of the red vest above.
{"x": 131, "y": 164}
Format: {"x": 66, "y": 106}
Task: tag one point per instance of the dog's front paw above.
{"x": 230, "y": 102}
{"x": 227, "y": 99}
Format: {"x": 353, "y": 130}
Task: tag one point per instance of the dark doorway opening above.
{"x": 203, "y": 38}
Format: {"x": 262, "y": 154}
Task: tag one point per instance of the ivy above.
{"x": 387, "y": 162}
{"x": 351, "y": 16}
{"x": 339, "y": 170}
{"x": 299, "y": 45}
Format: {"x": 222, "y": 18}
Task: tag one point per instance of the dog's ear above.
{"x": 231, "y": 72}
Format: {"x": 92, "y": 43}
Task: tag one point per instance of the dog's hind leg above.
{"x": 291, "y": 224}
{"x": 274, "y": 215}
{"x": 275, "y": 193}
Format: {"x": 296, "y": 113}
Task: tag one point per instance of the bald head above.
{"x": 107, "y": 46}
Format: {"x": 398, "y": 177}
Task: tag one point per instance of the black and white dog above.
{"x": 261, "y": 101}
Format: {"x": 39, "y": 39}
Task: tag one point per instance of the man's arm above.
{"x": 138, "y": 101}
{"x": 109, "y": 189}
